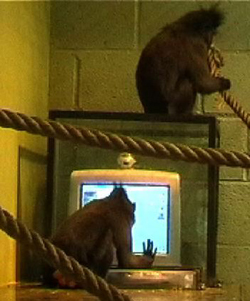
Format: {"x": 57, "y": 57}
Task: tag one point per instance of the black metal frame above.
{"x": 213, "y": 171}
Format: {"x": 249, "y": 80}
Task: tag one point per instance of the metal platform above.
{"x": 153, "y": 279}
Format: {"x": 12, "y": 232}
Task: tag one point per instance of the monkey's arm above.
{"x": 204, "y": 82}
{"x": 122, "y": 241}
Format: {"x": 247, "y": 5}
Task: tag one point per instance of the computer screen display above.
{"x": 152, "y": 214}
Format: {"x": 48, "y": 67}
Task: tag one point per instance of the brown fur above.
{"x": 173, "y": 66}
{"x": 93, "y": 232}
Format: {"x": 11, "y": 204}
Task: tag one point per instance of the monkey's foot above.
{"x": 64, "y": 282}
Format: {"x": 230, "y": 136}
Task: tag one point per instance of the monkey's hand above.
{"x": 225, "y": 83}
{"x": 149, "y": 249}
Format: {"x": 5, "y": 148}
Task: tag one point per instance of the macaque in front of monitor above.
{"x": 93, "y": 232}
{"x": 173, "y": 66}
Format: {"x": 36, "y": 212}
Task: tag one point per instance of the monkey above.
{"x": 94, "y": 232}
{"x": 173, "y": 66}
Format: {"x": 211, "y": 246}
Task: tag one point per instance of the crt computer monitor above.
{"x": 157, "y": 198}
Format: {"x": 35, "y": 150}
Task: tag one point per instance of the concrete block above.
{"x": 233, "y": 265}
{"x": 94, "y": 80}
{"x": 233, "y": 137}
{"x": 233, "y": 35}
{"x": 234, "y": 214}
{"x": 233, "y": 134}
{"x": 63, "y": 77}
{"x": 245, "y": 292}
{"x": 107, "y": 81}
{"x": 153, "y": 15}
{"x": 92, "y": 24}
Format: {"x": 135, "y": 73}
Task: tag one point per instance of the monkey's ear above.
{"x": 134, "y": 206}
{"x": 212, "y": 18}
{"x": 114, "y": 192}
{"x": 118, "y": 192}
{"x": 117, "y": 185}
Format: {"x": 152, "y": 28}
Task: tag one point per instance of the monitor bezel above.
{"x": 134, "y": 176}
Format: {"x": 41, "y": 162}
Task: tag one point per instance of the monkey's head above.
{"x": 119, "y": 194}
{"x": 202, "y": 22}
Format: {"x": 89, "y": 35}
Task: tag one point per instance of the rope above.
{"x": 92, "y": 283}
{"x": 34, "y": 125}
{"x": 215, "y": 61}
{"x": 95, "y": 138}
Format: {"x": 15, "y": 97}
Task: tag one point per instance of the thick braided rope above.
{"x": 215, "y": 62}
{"x": 57, "y": 258}
{"x": 151, "y": 148}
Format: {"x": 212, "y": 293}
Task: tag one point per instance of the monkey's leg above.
{"x": 103, "y": 256}
{"x": 182, "y": 100}
{"x": 151, "y": 98}
{"x": 62, "y": 281}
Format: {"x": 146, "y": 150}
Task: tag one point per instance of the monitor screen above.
{"x": 157, "y": 198}
{"x": 152, "y": 214}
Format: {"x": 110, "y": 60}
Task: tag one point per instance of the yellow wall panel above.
{"x": 24, "y": 60}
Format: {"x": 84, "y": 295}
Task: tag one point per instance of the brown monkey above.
{"x": 173, "y": 66}
{"x": 92, "y": 233}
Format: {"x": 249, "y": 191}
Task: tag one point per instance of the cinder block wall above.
{"x": 95, "y": 48}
